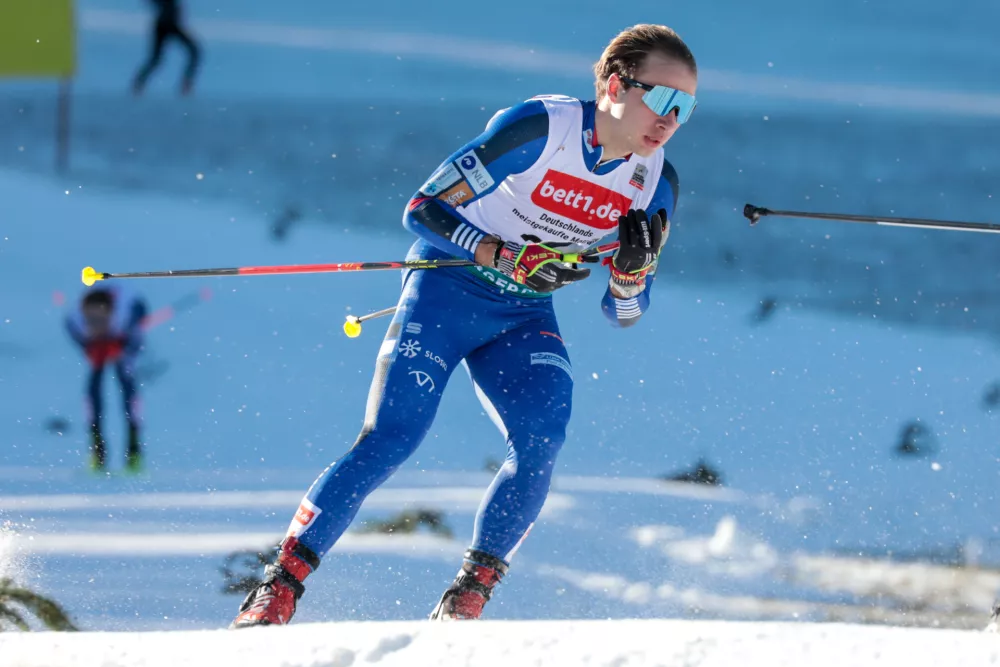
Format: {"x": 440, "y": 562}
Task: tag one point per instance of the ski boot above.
{"x": 133, "y": 463}
{"x": 273, "y": 601}
{"x": 133, "y": 455}
{"x": 472, "y": 587}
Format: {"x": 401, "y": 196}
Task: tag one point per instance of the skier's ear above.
{"x": 614, "y": 87}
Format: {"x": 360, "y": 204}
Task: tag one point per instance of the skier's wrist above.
{"x": 486, "y": 251}
{"x": 626, "y": 289}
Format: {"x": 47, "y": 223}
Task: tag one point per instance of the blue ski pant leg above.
{"x": 95, "y": 397}
{"x": 125, "y": 371}
{"x": 525, "y": 382}
{"x": 420, "y": 350}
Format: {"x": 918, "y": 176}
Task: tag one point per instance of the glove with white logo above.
{"x": 640, "y": 239}
{"x": 536, "y": 266}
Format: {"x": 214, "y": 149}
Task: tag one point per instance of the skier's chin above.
{"x": 644, "y": 149}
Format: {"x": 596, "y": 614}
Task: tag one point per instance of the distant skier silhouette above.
{"x": 107, "y": 326}
{"x": 168, "y": 25}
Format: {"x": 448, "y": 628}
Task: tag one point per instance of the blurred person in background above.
{"x": 551, "y": 167}
{"x": 167, "y": 25}
{"x": 107, "y": 325}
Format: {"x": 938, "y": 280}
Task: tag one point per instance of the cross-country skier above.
{"x": 107, "y": 327}
{"x": 168, "y": 25}
{"x": 550, "y": 173}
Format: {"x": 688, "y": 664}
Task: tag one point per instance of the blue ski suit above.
{"x": 506, "y": 334}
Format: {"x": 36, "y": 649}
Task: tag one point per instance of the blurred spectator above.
{"x": 107, "y": 326}
{"x": 167, "y": 25}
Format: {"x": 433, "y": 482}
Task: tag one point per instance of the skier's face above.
{"x": 642, "y": 129}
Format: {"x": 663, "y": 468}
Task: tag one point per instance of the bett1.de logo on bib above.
{"x": 580, "y": 200}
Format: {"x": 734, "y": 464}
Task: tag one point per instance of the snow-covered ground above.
{"x": 600, "y": 643}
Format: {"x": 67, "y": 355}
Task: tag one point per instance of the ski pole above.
{"x": 89, "y": 275}
{"x": 754, "y": 214}
{"x": 352, "y": 323}
{"x": 352, "y": 327}
{"x": 601, "y": 249}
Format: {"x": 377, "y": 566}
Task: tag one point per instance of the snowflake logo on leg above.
{"x": 410, "y": 348}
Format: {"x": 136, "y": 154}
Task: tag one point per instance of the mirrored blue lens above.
{"x": 662, "y": 100}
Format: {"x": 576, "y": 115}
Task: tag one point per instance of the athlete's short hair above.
{"x": 99, "y": 298}
{"x": 627, "y": 51}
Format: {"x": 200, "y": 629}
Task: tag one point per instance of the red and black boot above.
{"x": 273, "y": 601}
{"x": 472, "y": 588}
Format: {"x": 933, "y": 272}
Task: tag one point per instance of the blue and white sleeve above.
{"x": 511, "y": 143}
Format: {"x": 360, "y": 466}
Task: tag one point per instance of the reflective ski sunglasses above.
{"x": 663, "y": 99}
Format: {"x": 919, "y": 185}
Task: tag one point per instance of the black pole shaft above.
{"x": 378, "y": 313}
{"x": 754, "y": 214}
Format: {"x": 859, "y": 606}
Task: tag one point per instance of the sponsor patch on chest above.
{"x": 638, "y": 177}
{"x": 580, "y": 200}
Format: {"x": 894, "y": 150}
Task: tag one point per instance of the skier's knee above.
{"x": 390, "y": 447}
{"x": 537, "y": 446}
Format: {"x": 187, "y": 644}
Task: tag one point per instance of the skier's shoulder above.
{"x": 514, "y": 138}
{"x": 528, "y": 112}
{"x": 539, "y": 107}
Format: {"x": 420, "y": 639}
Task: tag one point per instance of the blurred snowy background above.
{"x": 840, "y": 379}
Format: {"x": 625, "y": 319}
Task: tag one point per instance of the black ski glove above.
{"x": 640, "y": 239}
